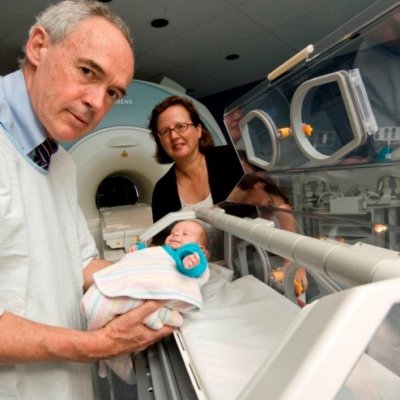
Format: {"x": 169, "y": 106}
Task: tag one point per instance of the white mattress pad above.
{"x": 240, "y": 323}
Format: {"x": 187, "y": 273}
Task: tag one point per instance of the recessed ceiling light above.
{"x": 231, "y": 57}
{"x": 159, "y": 23}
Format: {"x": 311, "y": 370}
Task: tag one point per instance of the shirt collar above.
{"x": 17, "y": 114}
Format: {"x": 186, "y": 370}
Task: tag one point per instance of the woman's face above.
{"x": 178, "y": 145}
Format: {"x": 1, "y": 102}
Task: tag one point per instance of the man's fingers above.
{"x": 171, "y": 317}
{"x": 148, "y": 307}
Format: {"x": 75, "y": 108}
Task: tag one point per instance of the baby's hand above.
{"x": 137, "y": 246}
{"x": 191, "y": 261}
{"x": 132, "y": 249}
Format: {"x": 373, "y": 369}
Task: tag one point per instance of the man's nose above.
{"x": 95, "y": 98}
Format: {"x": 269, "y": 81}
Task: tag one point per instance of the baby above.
{"x": 173, "y": 272}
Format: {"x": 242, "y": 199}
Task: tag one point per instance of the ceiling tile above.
{"x": 191, "y": 50}
{"x": 209, "y": 37}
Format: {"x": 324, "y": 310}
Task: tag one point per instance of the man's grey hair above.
{"x": 59, "y": 19}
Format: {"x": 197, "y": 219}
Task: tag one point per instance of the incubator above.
{"x": 326, "y": 130}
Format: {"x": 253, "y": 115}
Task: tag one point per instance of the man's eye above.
{"x": 113, "y": 94}
{"x": 86, "y": 71}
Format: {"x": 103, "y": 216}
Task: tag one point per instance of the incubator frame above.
{"x": 271, "y": 130}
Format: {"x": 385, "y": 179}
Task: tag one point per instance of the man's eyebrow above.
{"x": 92, "y": 64}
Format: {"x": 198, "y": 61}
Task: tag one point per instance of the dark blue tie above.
{"x": 41, "y": 154}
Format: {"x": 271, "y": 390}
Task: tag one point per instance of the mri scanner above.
{"x": 253, "y": 340}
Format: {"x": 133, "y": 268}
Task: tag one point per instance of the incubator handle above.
{"x": 272, "y": 131}
{"x": 357, "y": 108}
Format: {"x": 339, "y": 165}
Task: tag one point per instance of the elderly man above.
{"x": 78, "y": 62}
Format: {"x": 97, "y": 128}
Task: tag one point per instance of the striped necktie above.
{"x": 41, "y": 154}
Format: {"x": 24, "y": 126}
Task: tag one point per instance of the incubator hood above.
{"x": 326, "y": 128}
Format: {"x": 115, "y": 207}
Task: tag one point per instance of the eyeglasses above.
{"x": 178, "y": 128}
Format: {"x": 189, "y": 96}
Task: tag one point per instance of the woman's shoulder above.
{"x": 165, "y": 195}
{"x": 222, "y": 148}
{"x": 167, "y": 177}
{"x": 225, "y": 157}
{"x": 215, "y": 152}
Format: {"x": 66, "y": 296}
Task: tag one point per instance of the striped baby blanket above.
{"x": 150, "y": 273}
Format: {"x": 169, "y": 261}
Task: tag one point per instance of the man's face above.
{"x": 74, "y": 83}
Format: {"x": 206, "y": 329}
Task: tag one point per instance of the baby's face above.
{"x": 184, "y": 232}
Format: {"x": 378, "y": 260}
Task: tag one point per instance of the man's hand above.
{"x": 127, "y": 333}
{"x": 22, "y": 340}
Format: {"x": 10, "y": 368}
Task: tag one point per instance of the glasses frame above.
{"x": 184, "y": 127}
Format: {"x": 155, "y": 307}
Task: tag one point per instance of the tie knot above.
{"x": 41, "y": 154}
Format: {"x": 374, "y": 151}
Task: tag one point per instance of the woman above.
{"x": 202, "y": 174}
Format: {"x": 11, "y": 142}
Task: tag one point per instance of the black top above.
{"x": 224, "y": 172}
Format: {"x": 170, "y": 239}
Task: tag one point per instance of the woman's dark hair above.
{"x": 206, "y": 139}
{"x": 249, "y": 180}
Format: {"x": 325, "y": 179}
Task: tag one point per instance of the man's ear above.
{"x": 37, "y": 42}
